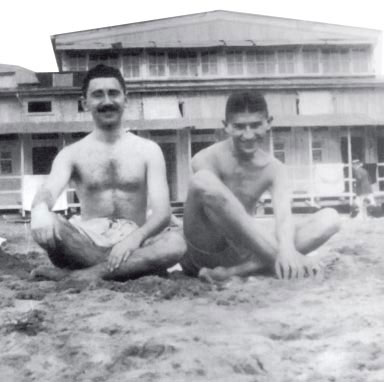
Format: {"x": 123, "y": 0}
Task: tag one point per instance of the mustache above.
{"x": 107, "y": 108}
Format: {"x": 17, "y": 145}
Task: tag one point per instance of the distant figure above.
{"x": 364, "y": 192}
{"x": 117, "y": 175}
{"x": 229, "y": 178}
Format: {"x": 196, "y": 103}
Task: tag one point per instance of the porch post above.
{"x": 271, "y": 142}
{"x": 183, "y": 159}
{"x": 63, "y": 140}
{"x": 22, "y": 171}
{"x": 311, "y": 179}
{"x": 350, "y": 181}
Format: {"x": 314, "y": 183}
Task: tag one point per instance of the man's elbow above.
{"x": 163, "y": 216}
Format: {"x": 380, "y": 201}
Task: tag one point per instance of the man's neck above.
{"x": 258, "y": 157}
{"x": 109, "y": 134}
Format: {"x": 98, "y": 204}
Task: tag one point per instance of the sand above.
{"x": 179, "y": 329}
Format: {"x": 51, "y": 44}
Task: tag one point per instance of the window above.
{"x": 198, "y": 146}
{"x": 110, "y": 59}
{"x": 157, "y": 64}
{"x": 131, "y": 65}
{"x": 250, "y": 59}
{"x": 45, "y": 136}
{"x": 78, "y": 135}
{"x": 6, "y": 162}
{"x": 265, "y": 62}
{"x": 235, "y": 62}
{"x": 77, "y": 61}
{"x": 311, "y": 61}
{"x": 80, "y": 107}
{"x": 8, "y": 137}
{"x": 360, "y": 58}
{"x": 336, "y": 60}
{"x": 317, "y": 151}
{"x": 39, "y": 107}
{"x": 279, "y": 151}
{"x": 182, "y": 63}
{"x": 209, "y": 63}
{"x": 286, "y": 61}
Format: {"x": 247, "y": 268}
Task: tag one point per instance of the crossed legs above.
{"x": 76, "y": 253}
{"x": 214, "y": 216}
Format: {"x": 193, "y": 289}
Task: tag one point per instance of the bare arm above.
{"x": 202, "y": 161}
{"x": 289, "y": 263}
{"x": 54, "y": 185}
{"x": 158, "y": 196}
{"x": 42, "y": 222}
{"x": 281, "y": 199}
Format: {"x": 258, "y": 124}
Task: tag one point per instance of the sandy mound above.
{"x": 177, "y": 328}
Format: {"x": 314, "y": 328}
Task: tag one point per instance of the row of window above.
{"x": 6, "y": 165}
{"x": 287, "y": 61}
{"x": 317, "y": 151}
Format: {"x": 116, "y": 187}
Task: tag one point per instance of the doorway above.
{"x": 357, "y": 150}
{"x": 42, "y": 158}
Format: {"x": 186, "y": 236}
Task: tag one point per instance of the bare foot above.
{"x": 49, "y": 273}
{"x": 91, "y": 274}
{"x": 216, "y": 275}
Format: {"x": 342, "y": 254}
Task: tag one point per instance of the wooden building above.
{"x": 321, "y": 81}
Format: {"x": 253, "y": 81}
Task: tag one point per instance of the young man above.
{"x": 116, "y": 176}
{"x": 364, "y": 193}
{"x": 223, "y": 238}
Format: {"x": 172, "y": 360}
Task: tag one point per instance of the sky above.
{"x": 26, "y": 26}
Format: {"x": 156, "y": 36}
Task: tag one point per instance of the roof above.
{"x": 21, "y": 75}
{"x": 215, "y": 28}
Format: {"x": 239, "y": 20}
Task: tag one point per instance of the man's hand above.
{"x": 293, "y": 265}
{"x": 121, "y": 251}
{"x": 43, "y": 226}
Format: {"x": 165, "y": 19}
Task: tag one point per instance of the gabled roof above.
{"x": 13, "y": 76}
{"x": 215, "y": 28}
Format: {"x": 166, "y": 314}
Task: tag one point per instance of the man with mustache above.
{"x": 223, "y": 238}
{"x": 117, "y": 176}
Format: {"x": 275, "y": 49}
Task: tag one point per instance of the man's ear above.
{"x": 84, "y": 103}
{"x": 269, "y": 123}
{"x": 225, "y": 124}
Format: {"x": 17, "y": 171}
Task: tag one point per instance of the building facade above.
{"x": 321, "y": 81}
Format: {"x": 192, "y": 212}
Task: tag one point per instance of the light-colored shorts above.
{"x": 104, "y": 232}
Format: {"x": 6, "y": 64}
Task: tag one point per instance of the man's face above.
{"x": 105, "y": 99}
{"x": 248, "y": 130}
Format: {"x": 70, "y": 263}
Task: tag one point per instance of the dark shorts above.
{"x": 195, "y": 259}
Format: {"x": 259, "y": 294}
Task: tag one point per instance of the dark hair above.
{"x": 100, "y": 71}
{"x": 247, "y": 101}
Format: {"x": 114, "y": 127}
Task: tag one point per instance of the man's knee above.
{"x": 330, "y": 219}
{"x": 170, "y": 242}
{"x": 206, "y": 186}
{"x": 39, "y": 239}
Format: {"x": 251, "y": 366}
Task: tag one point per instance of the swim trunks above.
{"x": 104, "y": 232}
{"x": 195, "y": 258}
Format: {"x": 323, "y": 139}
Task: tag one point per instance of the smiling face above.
{"x": 247, "y": 130}
{"x": 105, "y": 99}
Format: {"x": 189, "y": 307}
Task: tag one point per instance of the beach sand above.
{"x": 179, "y": 329}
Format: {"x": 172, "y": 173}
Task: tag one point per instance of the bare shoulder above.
{"x": 208, "y": 157}
{"x": 67, "y": 153}
{"x": 278, "y": 172}
{"x": 143, "y": 146}
{"x": 74, "y": 150}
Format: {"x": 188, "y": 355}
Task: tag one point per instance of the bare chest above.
{"x": 248, "y": 183}
{"x": 101, "y": 171}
